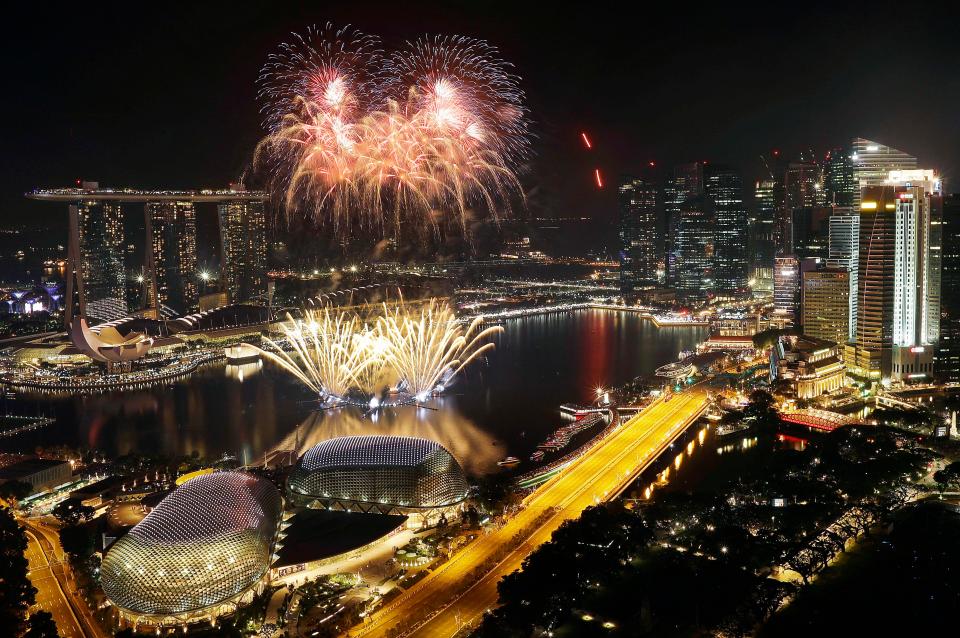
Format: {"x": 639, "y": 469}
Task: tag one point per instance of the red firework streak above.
{"x": 586, "y": 140}
{"x": 596, "y": 174}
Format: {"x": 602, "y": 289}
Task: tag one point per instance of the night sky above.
{"x": 151, "y": 96}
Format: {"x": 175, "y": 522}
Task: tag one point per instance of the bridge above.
{"x": 457, "y": 593}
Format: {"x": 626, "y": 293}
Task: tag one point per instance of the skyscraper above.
{"x": 825, "y": 304}
{"x": 844, "y": 252}
{"x": 171, "y": 259}
{"x": 243, "y": 249}
{"x": 639, "y": 254}
{"x": 762, "y": 239}
{"x": 686, "y": 183}
{"x": 839, "y": 182}
{"x": 898, "y": 293}
{"x": 724, "y": 188}
{"x": 948, "y": 354}
{"x": 872, "y": 163}
{"x": 695, "y": 248}
{"x": 96, "y": 286}
{"x": 786, "y": 288}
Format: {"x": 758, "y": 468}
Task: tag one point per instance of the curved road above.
{"x": 600, "y": 474}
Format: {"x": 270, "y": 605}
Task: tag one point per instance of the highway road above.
{"x": 50, "y": 597}
{"x": 598, "y": 475}
{"x": 48, "y": 573}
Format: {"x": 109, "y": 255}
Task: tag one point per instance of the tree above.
{"x": 77, "y": 540}
{"x": 71, "y": 512}
{"x": 41, "y": 625}
{"x": 16, "y": 592}
{"x": 13, "y": 491}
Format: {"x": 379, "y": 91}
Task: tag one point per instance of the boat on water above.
{"x": 728, "y": 429}
{"x": 510, "y": 461}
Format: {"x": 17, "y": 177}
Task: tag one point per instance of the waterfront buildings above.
{"x": 686, "y": 183}
{"x": 844, "y": 252}
{"x": 639, "y": 254}
{"x": 948, "y": 355}
{"x": 826, "y": 304}
{"x": 384, "y": 474}
{"x": 695, "y": 249}
{"x": 243, "y": 249}
{"x": 812, "y": 366}
{"x": 97, "y": 278}
{"x": 724, "y": 188}
{"x": 898, "y": 289}
{"x": 839, "y": 181}
{"x": 203, "y": 550}
{"x": 171, "y": 256}
{"x": 96, "y": 286}
{"x": 41, "y": 474}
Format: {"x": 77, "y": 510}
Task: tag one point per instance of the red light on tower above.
{"x": 776, "y": 153}
{"x": 652, "y": 163}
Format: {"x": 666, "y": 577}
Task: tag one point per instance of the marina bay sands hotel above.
{"x": 99, "y": 286}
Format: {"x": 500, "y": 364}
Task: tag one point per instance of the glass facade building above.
{"x": 96, "y": 286}
{"x": 724, "y": 188}
{"x": 204, "y": 547}
{"x": 639, "y": 254}
{"x": 243, "y": 249}
{"x": 172, "y": 256}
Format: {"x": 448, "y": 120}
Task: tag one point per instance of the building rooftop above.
{"x": 318, "y": 534}
{"x": 27, "y": 467}
{"x": 134, "y": 195}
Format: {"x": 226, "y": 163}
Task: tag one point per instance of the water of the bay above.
{"x": 503, "y": 406}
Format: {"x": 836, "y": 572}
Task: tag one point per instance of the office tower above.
{"x": 872, "y": 163}
{"x": 686, "y": 183}
{"x": 171, "y": 259}
{"x": 803, "y": 185}
{"x": 786, "y": 287}
{"x": 825, "y": 305}
{"x": 763, "y": 237}
{"x": 839, "y": 182}
{"x": 243, "y": 249}
{"x": 898, "y": 300}
{"x": 844, "y": 252}
{"x": 639, "y": 254}
{"x": 810, "y": 232}
{"x": 695, "y": 248}
{"x": 724, "y": 188}
{"x": 948, "y": 354}
{"x": 95, "y": 283}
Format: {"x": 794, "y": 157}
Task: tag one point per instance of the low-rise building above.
{"x": 812, "y": 366}
{"x": 42, "y": 474}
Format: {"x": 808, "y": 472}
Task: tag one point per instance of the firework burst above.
{"x": 359, "y": 137}
{"x": 418, "y": 350}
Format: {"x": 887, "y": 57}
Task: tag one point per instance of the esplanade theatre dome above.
{"x": 396, "y": 471}
{"x": 206, "y": 544}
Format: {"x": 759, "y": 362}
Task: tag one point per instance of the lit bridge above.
{"x": 460, "y": 591}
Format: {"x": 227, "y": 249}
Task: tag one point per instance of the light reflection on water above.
{"x": 477, "y": 451}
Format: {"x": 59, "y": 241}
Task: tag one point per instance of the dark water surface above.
{"x": 504, "y": 406}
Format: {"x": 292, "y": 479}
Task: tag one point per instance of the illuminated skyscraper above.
{"x": 872, "y": 163}
{"x": 898, "y": 314}
{"x": 844, "y": 252}
{"x": 96, "y": 287}
{"x": 686, "y": 183}
{"x": 639, "y": 255}
{"x": 763, "y": 237}
{"x": 724, "y": 188}
{"x": 826, "y": 304}
{"x": 948, "y": 355}
{"x": 695, "y": 248}
{"x": 171, "y": 258}
{"x": 786, "y": 288}
{"x": 839, "y": 182}
{"x": 243, "y": 249}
